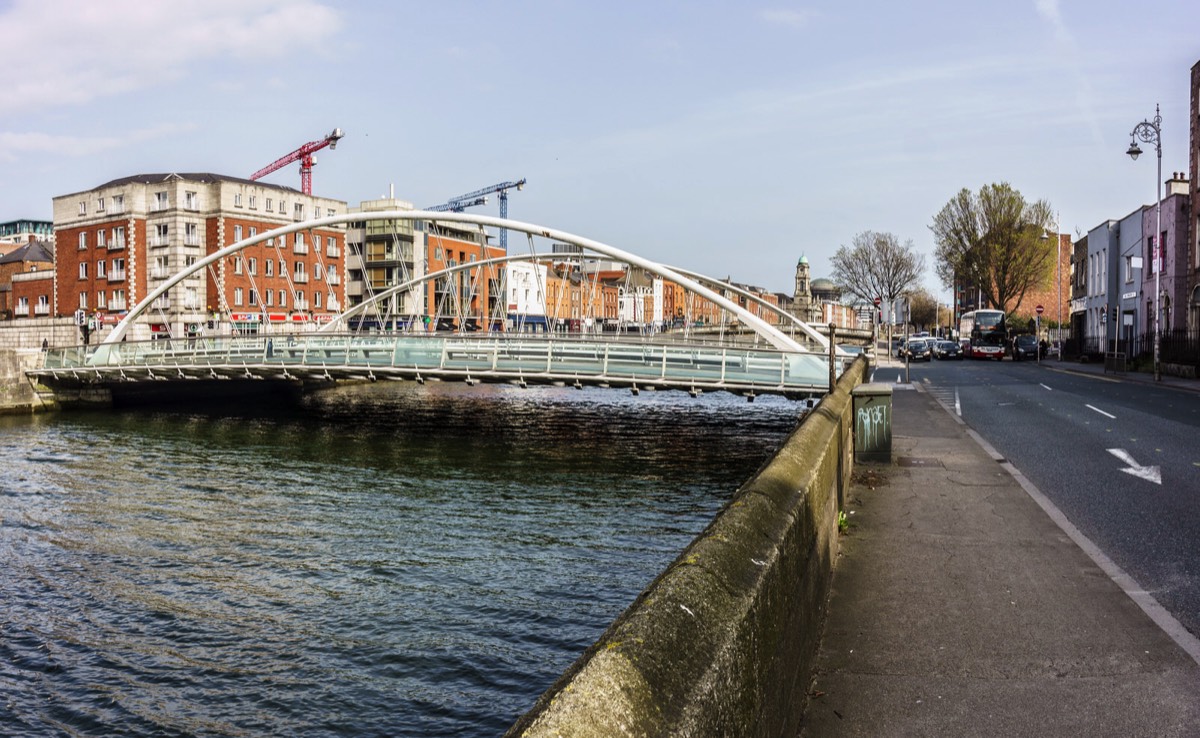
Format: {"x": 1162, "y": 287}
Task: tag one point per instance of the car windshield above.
{"x": 1026, "y": 340}
{"x": 947, "y": 345}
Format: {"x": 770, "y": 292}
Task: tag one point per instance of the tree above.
{"x": 993, "y": 241}
{"x": 923, "y": 308}
{"x": 877, "y": 266}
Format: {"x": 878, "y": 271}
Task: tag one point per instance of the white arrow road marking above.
{"x": 1100, "y": 411}
{"x": 1149, "y": 473}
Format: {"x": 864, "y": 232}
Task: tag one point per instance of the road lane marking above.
{"x": 1047, "y": 388}
{"x": 1149, "y": 473}
{"x": 957, "y": 404}
{"x": 1100, "y": 411}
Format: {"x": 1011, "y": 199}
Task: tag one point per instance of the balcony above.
{"x": 159, "y": 273}
{"x": 332, "y": 252}
{"x": 116, "y": 275}
{"x": 41, "y": 309}
{"x": 300, "y": 248}
{"x": 191, "y": 239}
{"x": 300, "y": 278}
{"x": 162, "y": 303}
{"x": 334, "y": 278}
{"x": 117, "y": 306}
{"x": 116, "y": 244}
{"x": 157, "y": 240}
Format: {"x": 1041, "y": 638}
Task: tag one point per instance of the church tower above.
{"x": 802, "y": 300}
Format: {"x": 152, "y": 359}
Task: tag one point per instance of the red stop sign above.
{"x": 877, "y": 301}
{"x": 1040, "y": 309}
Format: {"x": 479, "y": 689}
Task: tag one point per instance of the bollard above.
{"x": 872, "y": 422}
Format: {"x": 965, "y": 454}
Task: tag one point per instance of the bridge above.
{"x": 786, "y": 357}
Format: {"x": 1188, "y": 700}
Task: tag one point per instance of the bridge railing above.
{"x": 486, "y": 357}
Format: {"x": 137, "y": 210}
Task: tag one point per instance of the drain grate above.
{"x": 917, "y": 461}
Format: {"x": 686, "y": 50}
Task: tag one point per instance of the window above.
{"x": 82, "y": 241}
{"x": 237, "y": 265}
{"x": 268, "y": 203}
{"x": 317, "y": 299}
{"x": 118, "y": 270}
{"x": 118, "y": 204}
{"x": 237, "y": 296}
{"x": 282, "y": 299}
{"x": 253, "y": 231}
{"x": 100, "y": 238}
{"x": 269, "y": 268}
{"x": 99, "y": 204}
{"x": 189, "y": 261}
{"x": 190, "y": 298}
{"x": 23, "y": 305}
{"x": 100, "y": 269}
{"x": 282, "y": 267}
{"x": 1128, "y": 268}
{"x": 300, "y": 246}
{"x": 283, "y": 207}
{"x": 299, "y": 273}
{"x": 162, "y": 235}
{"x": 331, "y": 248}
{"x": 254, "y": 202}
{"x": 118, "y": 239}
{"x": 299, "y": 210}
{"x": 237, "y": 233}
{"x": 160, "y": 201}
{"x": 190, "y": 201}
{"x": 82, "y": 207}
{"x": 270, "y": 296}
{"x": 237, "y": 199}
{"x": 162, "y": 267}
{"x": 317, "y": 273}
{"x": 101, "y": 300}
{"x": 191, "y": 234}
{"x": 330, "y": 212}
{"x": 118, "y": 300}
{"x": 83, "y": 301}
{"x": 43, "y": 305}
{"x": 253, "y": 297}
{"x": 253, "y": 263}
{"x": 83, "y": 270}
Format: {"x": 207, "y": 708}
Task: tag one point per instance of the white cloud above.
{"x": 69, "y": 52}
{"x": 13, "y": 145}
{"x": 788, "y": 17}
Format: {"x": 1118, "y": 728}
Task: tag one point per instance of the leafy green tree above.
{"x": 993, "y": 240}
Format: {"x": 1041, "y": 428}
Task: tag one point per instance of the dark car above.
{"x": 1024, "y": 347}
{"x": 948, "y": 350}
{"x": 918, "y": 350}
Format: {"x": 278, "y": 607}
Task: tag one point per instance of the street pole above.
{"x": 1151, "y": 132}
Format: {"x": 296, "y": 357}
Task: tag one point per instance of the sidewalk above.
{"x": 960, "y": 608}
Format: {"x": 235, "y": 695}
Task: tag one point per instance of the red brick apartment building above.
{"x": 118, "y": 242}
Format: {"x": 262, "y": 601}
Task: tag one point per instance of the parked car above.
{"x": 1024, "y": 346}
{"x": 948, "y": 350}
{"x": 918, "y": 350}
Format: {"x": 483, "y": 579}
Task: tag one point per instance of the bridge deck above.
{"x": 516, "y": 358}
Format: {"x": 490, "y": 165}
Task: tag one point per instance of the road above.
{"x": 1119, "y": 459}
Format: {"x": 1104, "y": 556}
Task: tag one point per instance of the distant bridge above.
{"x": 794, "y": 364}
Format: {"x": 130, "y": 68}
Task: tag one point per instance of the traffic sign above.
{"x": 1040, "y": 309}
{"x": 877, "y": 301}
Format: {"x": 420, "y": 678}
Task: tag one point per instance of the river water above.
{"x": 383, "y": 560}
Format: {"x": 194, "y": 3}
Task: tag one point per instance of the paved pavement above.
{"x": 961, "y": 607}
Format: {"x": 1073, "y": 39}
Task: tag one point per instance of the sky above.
{"x": 729, "y": 138}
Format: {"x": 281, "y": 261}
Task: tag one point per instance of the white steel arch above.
{"x": 768, "y": 332}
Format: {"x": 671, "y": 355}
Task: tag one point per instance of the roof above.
{"x": 821, "y": 283}
{"x": 201, "y": 177}
{"x": 33, "y": 251}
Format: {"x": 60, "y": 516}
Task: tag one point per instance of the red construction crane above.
{"x": 304, "y": 155}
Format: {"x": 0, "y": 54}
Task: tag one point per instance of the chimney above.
{"x": 1178, "y": 184}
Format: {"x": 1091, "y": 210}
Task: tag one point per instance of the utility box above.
{"x": 872, "y": 422}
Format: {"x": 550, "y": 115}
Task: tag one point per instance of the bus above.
{"x": 981, "y": 333}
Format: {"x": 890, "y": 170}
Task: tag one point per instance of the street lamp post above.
{"x": 1057, "y": 282}
{"x": 1151, "y": 132}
